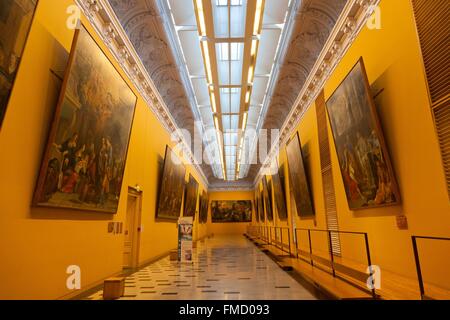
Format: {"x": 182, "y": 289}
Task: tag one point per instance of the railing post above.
{"x": 310, "y": 247}
{"x": 281, "y": 240}
{"x": 369, "y": 261}
{"x": 265, "y": 234}
{"x": 296, "y": 242}
{"x": 289, "y": 243}
{"x": 330, "y": 244}
{"x": 419, "y": 271}
{"x": 277, "y": 237}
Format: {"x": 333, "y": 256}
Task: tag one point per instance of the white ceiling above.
{"x": 231, "y": 30}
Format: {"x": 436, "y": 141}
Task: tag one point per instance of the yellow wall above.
{"x": 228, "y": 228}
{"x": 37, "y": 244}
{"x": 393, "y": 62}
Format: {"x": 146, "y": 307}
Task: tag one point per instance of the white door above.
{"x": 129, "y": 230}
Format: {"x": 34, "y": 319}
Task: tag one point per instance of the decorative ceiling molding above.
{"x": 230, "y": 187}
{"x": 110, "y": 30}
{"x": 351, "y": 21}
{"x": 310, "y": 24}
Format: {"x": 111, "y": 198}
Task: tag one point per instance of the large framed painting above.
{"x": 172, "y": 187}
{"x": 298, "y": 178}
{"x": 204, "y": 204}
{"x": 267, "y": 192}
{"x": 256, "y": 207}
{"x": 85, "y": 157}
{"x": 16, "y": 17}
{"x": 231, "y": 211}
{"x": 364, "y": 161}
{"x": 280, "y": 198}
{"x": 262, "y": 211}
{"x": 190, "y": 203}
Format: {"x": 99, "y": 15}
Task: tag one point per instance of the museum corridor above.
{"x": 223, "y": 268}
{"x": 222, "y": 150}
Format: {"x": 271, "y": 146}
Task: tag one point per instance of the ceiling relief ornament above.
{"x": 353, "y": 18}
{"x": 144, "y": 27}
{"x": 314, "y": 22}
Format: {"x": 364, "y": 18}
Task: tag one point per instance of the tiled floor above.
{"x": 224, "y": 268}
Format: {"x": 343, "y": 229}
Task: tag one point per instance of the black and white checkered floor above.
{"x": 224, "y": 268}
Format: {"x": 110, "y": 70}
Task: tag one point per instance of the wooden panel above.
{"x": 432, "y": 18}
{"x": 442, "y": 119}
{"x": 433, "y": 27}
{"x": 327, "y": 174}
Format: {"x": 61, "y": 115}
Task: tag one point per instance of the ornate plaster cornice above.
{"x": 107, "y": 25}
{"x": 351, "y": 21}
{"x": 232, "y": 188}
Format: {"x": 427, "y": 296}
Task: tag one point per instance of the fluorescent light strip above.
{"x": 254, "y": 47}
{"x": 247, "y": 96}
{"x": 213, "y": 102}
{"x": 207, "y": 61}
{"x": 244, "y": 123}
{"x": 257, "y": 17}
{"x": 251, "y": 73}
{"x": 201, "y": 17}
{"x": 216, "y": 121}
{"x": 219, "y": 140}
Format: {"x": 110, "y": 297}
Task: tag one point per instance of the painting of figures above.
{"x": 231, "y": 211}
{"x": 16, "y": 17}
{"x": 262, "y": 212}
{"x": 365, "y": 165}
{"x": 190, "y": 203}
{"x": 298, "y": 179}
{"x": 280, "y": 199}
{"x": 204, "y": 208}
{"x": 267, "y": 191}
{"x": 172, "y": 187}
{"x": 85, "y": 158}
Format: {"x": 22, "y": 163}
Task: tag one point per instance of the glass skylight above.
{"x": 227, "y": 43}
{"x": 225, "y": 2}
{"x": 230, "y": 99}
{"x": 230, "y": 51}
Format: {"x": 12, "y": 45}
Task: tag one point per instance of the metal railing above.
{"x": 281, "y": 234}
{"x": 330, "y": 249}
{"x": 279, "y": 237}
{"x": 276, "y": 236}
{"x": 417, "y": 260}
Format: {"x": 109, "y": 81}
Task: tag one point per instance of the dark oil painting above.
{"x": 85, "y": 158}
{"x": 16, "y": 17}
{"x": 204, "y": 206}
{"x": 231, "y": 211}
{"x": 365, "y": 165}
{"x": 172, "y": 187}
{"x": 190, "y": 203}
{"x": 256, "y": 206}
{"x": 267, "y": 192}
{"x": 280, "y": 198}
{"x": 298, "y": 178}
{"x": 262, "y": 212}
